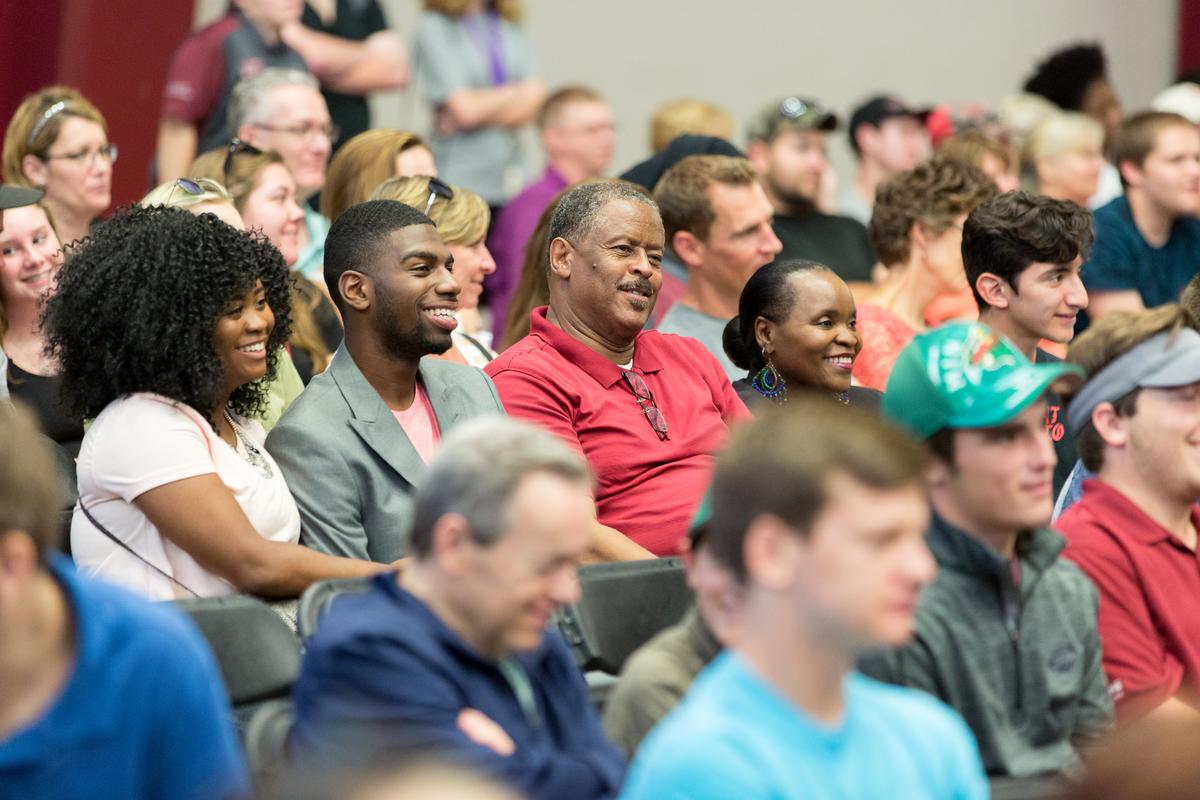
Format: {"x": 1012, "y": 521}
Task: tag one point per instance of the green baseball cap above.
{"x": 963, "y": 375}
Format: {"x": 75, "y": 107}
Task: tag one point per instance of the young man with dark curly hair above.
{"x": 355, "y": 443}
{"x": 1022, "y": 254}
{"x": 102, "y": 695}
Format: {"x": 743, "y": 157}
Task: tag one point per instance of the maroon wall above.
{"x": 114, "y": 51}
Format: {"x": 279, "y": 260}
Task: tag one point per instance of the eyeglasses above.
{"x": 236, "y": 146}
{"x": 646, "y": 400}
{"x": 188, "y": 185}
{"x": 328, "y": 130}
{"x": 438, "y": 188}
{"x": 88, "y": 156}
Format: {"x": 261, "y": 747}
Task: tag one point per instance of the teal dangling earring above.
{"x": 769, "y": 382}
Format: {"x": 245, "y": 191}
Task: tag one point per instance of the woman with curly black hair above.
{"x": 167, "y": 327}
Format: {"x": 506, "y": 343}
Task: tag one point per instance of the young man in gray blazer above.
{"x": 355, "y": 443}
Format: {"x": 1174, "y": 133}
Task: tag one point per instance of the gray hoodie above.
{"x": 1021, "y": 661}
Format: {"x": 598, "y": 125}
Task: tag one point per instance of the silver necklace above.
{"x": 254, "y": 456}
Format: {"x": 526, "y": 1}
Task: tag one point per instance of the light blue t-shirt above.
{"x": 734, "y": 736}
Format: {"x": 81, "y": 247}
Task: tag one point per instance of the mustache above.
{"x": 639, "y": 285}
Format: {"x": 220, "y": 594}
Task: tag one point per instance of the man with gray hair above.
{"x": 452, "y": 657}
{"x": 647, "y": 409}
{"x": 283, "y": 110}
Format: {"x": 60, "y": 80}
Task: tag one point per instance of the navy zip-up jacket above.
{"x": 384, "y": 676}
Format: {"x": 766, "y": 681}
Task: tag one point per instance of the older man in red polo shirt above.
{"x": 646, "y": 409}
{"x": 1137, "y": 424}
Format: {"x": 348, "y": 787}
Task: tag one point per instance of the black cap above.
{"x": 17, "y": 196}
{"x": 877, "y": 110}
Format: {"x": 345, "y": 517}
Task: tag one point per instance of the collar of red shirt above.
{"x": 1130, "y": 519}
{"x": 604, "y": 372}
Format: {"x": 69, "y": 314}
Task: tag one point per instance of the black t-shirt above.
{"x": 356, "y": 20}
{"x": 1056, "y": 426}
{"x": 840, "y": 243}
{"x": 43, "y": 394}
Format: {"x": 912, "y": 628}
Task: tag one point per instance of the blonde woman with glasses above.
{"x": 58, "y": 142}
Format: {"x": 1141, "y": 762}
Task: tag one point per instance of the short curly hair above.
{"x": 137, "y": 302}
{"x": 933, "y": 194}
{"x": 1064, "y": 77}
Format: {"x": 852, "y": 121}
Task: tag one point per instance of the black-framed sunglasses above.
{"x": 236, "y": 146}
{"x": 646, "y": 400}
{"x": 187, "y": 185}
{"x": 438, "y": 188}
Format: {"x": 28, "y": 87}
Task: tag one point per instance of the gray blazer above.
{"x": 350, "y": 465}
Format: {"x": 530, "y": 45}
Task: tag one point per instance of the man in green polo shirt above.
{"x": 1006, "y": 633}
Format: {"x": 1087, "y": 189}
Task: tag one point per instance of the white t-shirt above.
{"x": 142, "y": 441}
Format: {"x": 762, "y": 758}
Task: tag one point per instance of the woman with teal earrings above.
{"x": 795, "y": 330}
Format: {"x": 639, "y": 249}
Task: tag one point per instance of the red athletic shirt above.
{"x": 1149, "y": 597}
{"x": 647, "y": 488}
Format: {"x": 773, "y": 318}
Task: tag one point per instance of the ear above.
{"x": 249, "y": 134}
{"x": 452, "y": 543}
{"x": 769, "y": 551}
{"x": 993, "y": 289}
{"x": 1112, "y": 428}
{"x": 34, "y": 170}
{"x": 757, "y": 153}
{"x": 866, "y": 135}
{"x": 764, "y": 333}
{"x": 937, "y": 472}
{"x": 688, "y": 248}
{"x": 560, "y": 257}
{"x": 18, "y": 558}
{"x": 1131, "y": 173}
{"x": 919, "y": 237}
{"x": 357, "y": 290}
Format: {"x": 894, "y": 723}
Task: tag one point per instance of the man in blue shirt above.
{"x": 102, "y": 695}
{"x": 1148, "y": 241}
{"x": 452, "y": 658}
{"x": 819, "y": 512}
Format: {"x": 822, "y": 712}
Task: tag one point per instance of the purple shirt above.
{"x": 514, "y": 225}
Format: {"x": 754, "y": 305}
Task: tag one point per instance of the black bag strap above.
{"x": 96, "y": 524}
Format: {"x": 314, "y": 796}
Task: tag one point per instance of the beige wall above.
{"x": 641, "y": 52}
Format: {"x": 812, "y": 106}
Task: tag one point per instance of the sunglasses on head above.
{"x": 437, "y": 188}
{"x": 236, "y": 146}
{"x": 186, "y": 184}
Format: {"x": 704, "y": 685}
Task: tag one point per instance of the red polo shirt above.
{"x": 647, "y": 488}
{"x": 1149, "y": 597}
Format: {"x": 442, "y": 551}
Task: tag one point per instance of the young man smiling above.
{"x": 1006, "y": 633}
{"x": 355, "y": 443}
{"x": 1022, "y": 254}
{"x": 1137, "y": 423}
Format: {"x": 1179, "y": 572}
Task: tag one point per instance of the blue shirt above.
{"x": 143, "y": 714}
{"x": 1122, "y": 260}
{"x": 384, "y": 675}
{"x": 734, "y": 736}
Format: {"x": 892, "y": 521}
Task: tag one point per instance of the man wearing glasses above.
{"x": 787, "y": 148}
{"x": 283, "y": 110}
{"x": 204, "y": 70}
{"x": 646, "y": 409}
